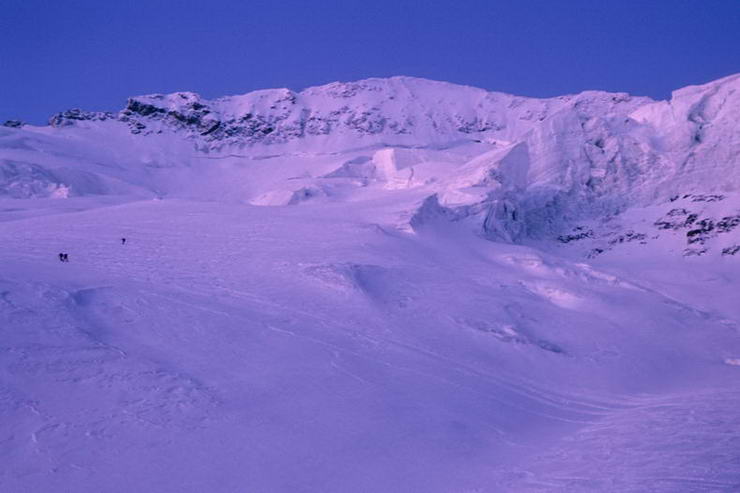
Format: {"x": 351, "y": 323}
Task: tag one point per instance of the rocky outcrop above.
{"x": 14, "y": 124}
{"x": 72, "y": 117}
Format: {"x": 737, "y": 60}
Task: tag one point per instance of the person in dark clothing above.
{"x": 123, "y": 241}
{"x": 61, "y": 257}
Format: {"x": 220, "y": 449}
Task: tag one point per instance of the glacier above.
{"x": 384, "y": 285}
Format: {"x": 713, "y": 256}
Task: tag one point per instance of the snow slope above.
{"x": 388, "y": 285}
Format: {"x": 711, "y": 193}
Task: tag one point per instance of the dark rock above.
{"x": 595, "y": 252}
{"x": 578, "y": 234}
{"x": 212, "y": 129}
{"x": 707, "y": 198}
{"x": 672, "y": 219}
{"x": 71, "y": 117}
{"x": 629, "y": 236}
{"x": 728, "y": 223}
{"x": 142, "y": 109}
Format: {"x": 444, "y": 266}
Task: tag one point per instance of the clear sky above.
{"x": 93, "y": 54}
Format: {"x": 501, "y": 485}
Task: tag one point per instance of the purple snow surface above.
{"x": 393, "y": 285}
{"x": 236, "y": 348}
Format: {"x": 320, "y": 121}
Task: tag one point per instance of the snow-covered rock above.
{"x": 514, "y": 167}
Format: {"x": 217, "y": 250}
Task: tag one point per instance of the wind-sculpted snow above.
{"x": 387, "y": 285}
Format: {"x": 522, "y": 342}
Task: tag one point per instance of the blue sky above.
{"x": 57, "y": 55}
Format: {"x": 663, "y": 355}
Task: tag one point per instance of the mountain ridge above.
{"x": 363, "y": 106}
{"x": 519, "y": 167}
